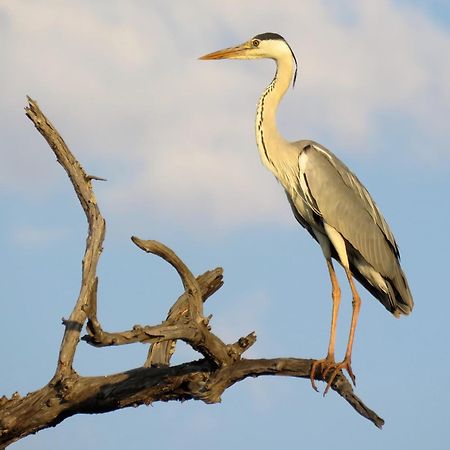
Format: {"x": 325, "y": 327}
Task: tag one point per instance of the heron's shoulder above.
{"x": 309, "y": 147}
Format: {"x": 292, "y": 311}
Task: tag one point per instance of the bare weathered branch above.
{"x": 161, "y": 352}
{"x": 293, "y": 367}
{"x": 195, "y": 303}
{"x": 171, "y": 329}
{"x": 242, "y": 345}
{"x": 196, "y": 380}
{"x": 197, "y": 335}
{"x": 83, "y": 189}
{"x": 205, "y": 342}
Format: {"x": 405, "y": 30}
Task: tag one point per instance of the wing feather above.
{"x": 345, "y": 204}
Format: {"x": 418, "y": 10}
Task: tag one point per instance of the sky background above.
{"x": 174, "y": 137}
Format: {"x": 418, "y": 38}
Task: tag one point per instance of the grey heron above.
{"x": 329, "y": 201}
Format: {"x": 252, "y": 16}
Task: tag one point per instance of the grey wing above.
{"x": 345, "y": 204}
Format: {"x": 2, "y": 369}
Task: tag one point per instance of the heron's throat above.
{"x": 269, "y": 140}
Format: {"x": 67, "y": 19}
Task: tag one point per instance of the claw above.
{"x": 325, "y": 366}
{"x": 312, "y": 373}
{"x": 345, "y": 364}
{"x": 352, "y": 375}
{"x": 321, "y": 366}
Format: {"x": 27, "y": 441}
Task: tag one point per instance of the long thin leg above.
{"x": 346, "y": 363}
{"x": 356, "y": 303}
{"x": 336, "y": 295}
{"x": 329, "y": 361}
{"x": 327, "y": 364}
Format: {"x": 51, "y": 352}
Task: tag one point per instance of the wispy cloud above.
{"x": 175, "y": 135}
{"x": 31, "y": 236}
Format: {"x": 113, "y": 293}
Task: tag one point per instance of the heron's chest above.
{"x": 299, "y": 192}
{"x": 282, "y": 163}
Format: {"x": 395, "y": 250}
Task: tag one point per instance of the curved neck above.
{"x": 269, "y": 140}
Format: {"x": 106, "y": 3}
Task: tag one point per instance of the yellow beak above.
{"x": 225, "y": 53}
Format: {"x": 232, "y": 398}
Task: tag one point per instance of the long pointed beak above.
{"x": 225, "y": 53}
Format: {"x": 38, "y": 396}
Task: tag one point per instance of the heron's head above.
{"x": 266, "y": 45}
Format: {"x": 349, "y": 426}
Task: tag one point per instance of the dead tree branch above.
{"x": 69, "y": 393}
{"x": 83, "y": 188}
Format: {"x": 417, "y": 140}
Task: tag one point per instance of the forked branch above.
{"x": 69, "y": 393}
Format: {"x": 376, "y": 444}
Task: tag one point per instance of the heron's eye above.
{"x": 255, "y": 42}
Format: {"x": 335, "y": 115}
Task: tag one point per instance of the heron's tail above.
{"x": 400, "y": 294}
{"x": 398, "y": 300}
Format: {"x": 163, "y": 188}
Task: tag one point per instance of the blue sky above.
{"x": 174, "y": 137}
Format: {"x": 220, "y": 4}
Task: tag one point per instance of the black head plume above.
{"x": 269, "y": 37}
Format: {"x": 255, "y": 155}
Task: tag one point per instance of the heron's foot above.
{"x": 327, "y": 365}
{"x": 321, "y": 367}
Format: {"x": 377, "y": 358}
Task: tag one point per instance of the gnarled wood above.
{"x": 69, "y": 393}
{"x": 96, "y": 234}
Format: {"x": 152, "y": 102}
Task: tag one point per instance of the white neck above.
{"x": 269, "y": 140}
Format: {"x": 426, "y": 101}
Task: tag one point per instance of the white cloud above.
{"x": 175, "y": 135}
{"x": 31, "y": 236}
{"x": 385, "y": 61}
{"x": 200, "y": 187}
